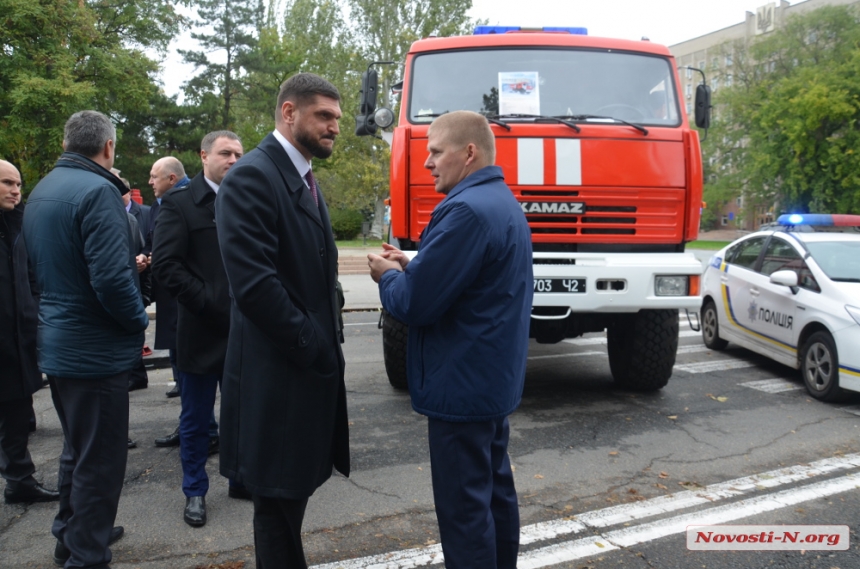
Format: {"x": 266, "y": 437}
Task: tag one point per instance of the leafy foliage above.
{"x": 345, "y": 223}
{"x": 789, "y": 126}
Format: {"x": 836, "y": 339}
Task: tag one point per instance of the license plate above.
{"x": 559, "y": 285}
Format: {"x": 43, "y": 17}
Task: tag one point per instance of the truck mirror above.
{"x": 703, "y": 106}
{"x": 364, "y": 126}
{"x": 369, "y": 83}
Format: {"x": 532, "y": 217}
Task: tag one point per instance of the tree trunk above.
{"x": 378, "y": 219}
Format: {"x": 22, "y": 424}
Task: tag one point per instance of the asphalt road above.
{"x": 606, "y": 478}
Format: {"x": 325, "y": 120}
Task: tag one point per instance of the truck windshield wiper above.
{"x": 581, "y": 118}
{"x": 493, "y": 120}
{"x": 537, "y": 118}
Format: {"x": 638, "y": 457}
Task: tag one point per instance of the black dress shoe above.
{"x": 29, "y": 493}
{"x": 136, "y": 384}
{"x": 195, "y": 511}
{"x": 171, "y": 440}
{"x": 173, "y": 392}
{"x": 132, "y": 444}
{"x": 62, "y": 553}
{"x": 239, "y": 492}
{"x": 214, "y": 445}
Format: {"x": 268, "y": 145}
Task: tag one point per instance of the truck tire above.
{"x": 819, "y": 365}
{"x": 394, "y": 335}
{"x": 642, "y": 349}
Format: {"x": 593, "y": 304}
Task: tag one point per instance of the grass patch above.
{"x": 359, "y": 243}
{"x": 707, "y": 245}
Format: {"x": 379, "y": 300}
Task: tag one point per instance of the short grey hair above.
{"x": 209, "y": 139}
{"x": 171, "y": 165}
{"x": 87, "y": 132}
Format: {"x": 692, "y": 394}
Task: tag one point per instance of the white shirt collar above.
{"x": 299, "y": 161}
{"x": 212, "y": 184}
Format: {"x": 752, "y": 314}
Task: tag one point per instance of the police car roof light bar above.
{"x": 820, "y": 219}
{"x": 484, "y": 30}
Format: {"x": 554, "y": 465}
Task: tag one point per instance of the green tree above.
{"x": 790, "y": 128}
{"x": 62, "y": 56}
{"x": 229, "y": 29}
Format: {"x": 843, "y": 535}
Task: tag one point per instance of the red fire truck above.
{"x": 603, "y": 161}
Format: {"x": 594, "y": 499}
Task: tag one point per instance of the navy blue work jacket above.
{"x": 467, "y": 298}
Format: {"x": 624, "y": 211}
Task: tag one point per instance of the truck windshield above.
{"x": 539, "y": 81}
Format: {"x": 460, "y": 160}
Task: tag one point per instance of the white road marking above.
{"x": 602, "y": 339}
{"x": 362, "y": 323}
{"x": 719, "y": 365}
{"x": 772, "y": 385}
{"x": 626, "y": 513}
{"x": 571, "y": 355}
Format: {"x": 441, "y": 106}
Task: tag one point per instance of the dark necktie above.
{"x": 312, "y": 184}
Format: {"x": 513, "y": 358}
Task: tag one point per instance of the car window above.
{"x": 747, "y": 252}
{"x": 840, "y": 260}
{"x": 781, "y": 256}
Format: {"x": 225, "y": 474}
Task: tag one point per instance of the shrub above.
{"x": 345, "y": 223}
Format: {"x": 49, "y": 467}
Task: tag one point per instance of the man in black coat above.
{"x": 138, "y": 378}
{"x": 283, "y": 403}
{"x": 187, "y": 262}
{"x": 19, "y": 374}
{"x": 166, "y": 174}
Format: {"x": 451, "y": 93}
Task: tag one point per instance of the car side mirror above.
{"x": 785, "y": 278}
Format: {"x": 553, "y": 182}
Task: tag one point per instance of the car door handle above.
{"x": 754, "y": 292}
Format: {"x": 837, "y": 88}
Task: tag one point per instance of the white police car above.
{"x": 792, "y": 292}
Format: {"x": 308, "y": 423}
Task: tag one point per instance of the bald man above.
{"x": 466, "y": 297}
{"x": 19, "y": 374}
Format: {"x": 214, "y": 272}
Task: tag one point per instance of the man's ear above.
{"x": 288, "y": 112}
{"x": 471, "y": 153}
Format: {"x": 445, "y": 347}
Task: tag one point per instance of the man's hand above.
{"x": 394, "y": 254}
{"x": 141, "y": 263}
{"x": 379, "y": 265}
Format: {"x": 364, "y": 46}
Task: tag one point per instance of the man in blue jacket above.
{"x": 467, "y": 297}
{"x": 91, "y": 327}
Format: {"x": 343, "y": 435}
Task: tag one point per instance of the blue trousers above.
{"x": 177, "y": 377}
{"x": 473, "y": 487}
{"x": 198, "y": 404}
{"x": 94, "y": 417}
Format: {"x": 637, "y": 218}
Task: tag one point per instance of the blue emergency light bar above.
{"x": 482, "y": 30}
{"x": 819, "y": 219}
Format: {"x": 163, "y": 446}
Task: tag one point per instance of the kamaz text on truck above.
{"x": 593, "y": 138}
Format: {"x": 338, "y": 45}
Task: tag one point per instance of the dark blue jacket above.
{"x": 467, "y": 298}
{"x": 91, "y": 318}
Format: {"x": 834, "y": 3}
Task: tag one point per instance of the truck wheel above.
{"x": 819, "y": 365}
{"x": 711, "y": 327}
{"x": 642, "y": 349}
{"x": 394, "y": 334}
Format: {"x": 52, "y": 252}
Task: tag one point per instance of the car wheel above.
{"x": 711, "y": 327}
{"x": 819, "y": 364}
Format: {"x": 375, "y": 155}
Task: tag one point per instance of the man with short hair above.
{"x": 91, "y": 328}
{"x": 19, "y": 374}
{"x": 283, "y": 405}
{"x": 466, "y": 297}
{"x": 187, "y": 262}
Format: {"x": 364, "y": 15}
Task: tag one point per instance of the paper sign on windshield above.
{"x": 519, "y": 93}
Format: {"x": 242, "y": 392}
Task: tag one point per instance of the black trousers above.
{"x": 16, "y": 466}
{"x": 473, "y": 487}
{"x": 94, "y": 417}
{"x": 278, "y": 533}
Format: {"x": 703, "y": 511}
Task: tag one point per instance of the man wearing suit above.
{"x": 187, "y": 262}
{"x": 138, "y": 378}
{"x": 283, "y": 398}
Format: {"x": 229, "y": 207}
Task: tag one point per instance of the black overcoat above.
{"x": 186, "y": 261}
{"x": 19, "y": 312}
{"x": 165, "y": 305}
{"x": 283, "y": 399}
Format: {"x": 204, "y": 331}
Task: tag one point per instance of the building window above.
{"x": 725, "y": 220}
{"x": 689, "y": 108}
{"x": 715, "y": 84}
{"x": 702, "y": 64}
{"x": 689, "y": 73}
{"x": 740, "y": 201}
{"x": 729, "y": 80}
{"x": 689, "y": 90}
{"x": 728, "y": 60}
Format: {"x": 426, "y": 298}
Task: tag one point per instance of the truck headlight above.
{"x": 672, "y": 285}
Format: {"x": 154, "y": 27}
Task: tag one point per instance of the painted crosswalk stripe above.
{"x": 602, "y": 339}
{"x": 572, "y": 355}
{"x": 628, "y": 513}
{"x": 719, "y": 365}
{"x": 772, "y": 385}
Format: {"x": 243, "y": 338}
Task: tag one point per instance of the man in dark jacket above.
{"x": 283, "y": 404}
{"x": 91, "y": 327}
{"x": 467, "y": 298}
{"x": 19, "y": 374}
{"x": 186, "y": 261}
{"x": 138, "y": 217}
